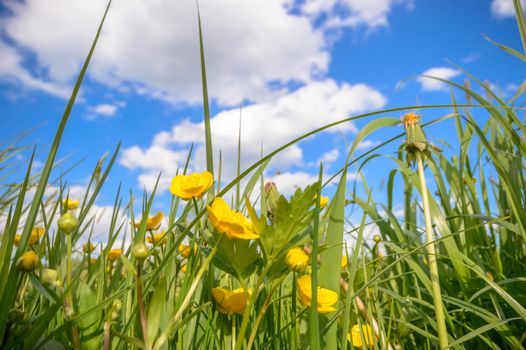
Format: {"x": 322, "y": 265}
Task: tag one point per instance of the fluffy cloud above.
{"x": 430, "y": 84}
{"x": 104, "y": 110}
{"x": 504, "y": 8}
{"x": 12, "y": 70}
{"x": 352, "y": 13}
{"x": 266, "y": 125}
{"x": 153, "y": 49}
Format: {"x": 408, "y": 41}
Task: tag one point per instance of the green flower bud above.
{"x": 140, "y": 251}
{"x": 49, "y": 276}
{"x": 28, "y": 261}
{"x": 117, "y": 304}
{"x": 377, "y": 238}
{"x": 68, "y": 223}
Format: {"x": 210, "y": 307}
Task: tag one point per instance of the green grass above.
{"x": 476, "y": 224}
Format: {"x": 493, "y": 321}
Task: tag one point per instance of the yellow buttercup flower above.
{"x": 193, "y": 185}
{"x": 344, "y": 262}
{"x": 185, "y": 250}
{"x": 28, "y": 261}
{"x": 183, "y": 268}
{"x": 114, "y": 254}
{"x": 297, "y": 260}
{"x": 326, "y": 298}
{"x": 356, "y": 338}
{"x": 88, "y": 247}
{"x": 152, "y": 223}
{"x": 71, "y": 204}
{"x": 323, "y": 201}
{"x": 229, "y": 302}
{"x": 232, "y": 224}
{"x": 156, "y": 238}
{"x": 36, "y": 233}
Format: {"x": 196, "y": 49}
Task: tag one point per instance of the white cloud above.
{"x": 104, "y": 110}
{"x": 504, "y": 8}
{"x": 352, "y": 13}
{"x": 12, "y": 70}
{"x": 153, "y": 49}
{"x": 268, "y": 124}
{"x": 430, "y": 84}
{"x": 288, "y": 182}
{"x": 367, "y": 144}
{"x": 329, "y": 157}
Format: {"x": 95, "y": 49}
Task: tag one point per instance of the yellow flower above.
{"x": 156, "y": 238}
{"x": 194, "y": 185}
{"x": 28, "y": 261}
{"x": 232, "y": 224}
{"x": 185, "y": 250}
{"x": 152, "y": 223}
{"x": 183, "y": 268}
{"x": 326, "y": 298}
{"x": 323, "y": 201}
{"x": 356, "y": 338}
{"x": 88, "y": 247}
{"x": 36, "y": 233}
{"x": 410, "y": 118}
{"x": 71, "y": 204}
{"x": 296, "y": 259}
{"x": 229, "y": 302}
{"x": 114, "y": 254}
{"x": 344, "y": 262}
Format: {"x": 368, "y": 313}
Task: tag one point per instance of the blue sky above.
{"x": 292, "y": 66}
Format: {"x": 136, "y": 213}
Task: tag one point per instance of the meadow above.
{"x": 243, "y": 267}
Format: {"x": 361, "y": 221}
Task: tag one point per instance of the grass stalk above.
{"x": 432, "y": 259}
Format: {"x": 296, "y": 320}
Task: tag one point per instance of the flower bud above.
{"x": 272, "y": 195}
{"x": 140, "y": 251}
{"x": 28, "y": 261}
{"x": 49, "y": 276}
{"x": 377, "y": 238}
{"x": 296, "y": 259}
{"x": 88, "y": 247}
{"x": 117, "y": 304}
{"x": 68, "y": 223}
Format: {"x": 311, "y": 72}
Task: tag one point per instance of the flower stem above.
{"x": 432, "y": 258}
{"x": 69, "y": 299}
{"x": 142, "y": 310}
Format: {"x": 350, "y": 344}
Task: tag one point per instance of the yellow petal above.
{"x": 326, "y": 298}
{"x": 114, "y": 254}
{"x": 296, "y": 259}
{"x": 193, "y": 185}
{"x": 232, "y": 224}
{"x": 344, "y": 262}
{"x": 185, "y": 250}
{"x": 71, "y": 204}
{"x": 356, "y": 337}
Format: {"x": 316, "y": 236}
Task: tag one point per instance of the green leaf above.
{"x": 156, "y": 308}
{"x": 330, "y": 270}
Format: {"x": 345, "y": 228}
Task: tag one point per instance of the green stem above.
{"x": 69, "y": 309}
{"x": 432, "y": 258}
{"x": 142, "y": 310}
{"x": 251, "y": 301}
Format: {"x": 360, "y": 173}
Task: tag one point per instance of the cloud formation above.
{"x": 152, "y": 48}
{"x": 504, "y": 8}
{"x": 430, "y": 84}
{"x": 266, "y": 125}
